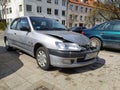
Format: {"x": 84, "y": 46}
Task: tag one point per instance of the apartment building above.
{"x": 55, "y": 9}
{"x": 68, "y": 12}
{"x": 78, "y": 13}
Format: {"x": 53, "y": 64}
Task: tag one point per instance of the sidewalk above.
{"x": 19, "y": 71}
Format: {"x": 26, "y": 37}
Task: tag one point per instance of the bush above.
{"x": 3, "y": 25}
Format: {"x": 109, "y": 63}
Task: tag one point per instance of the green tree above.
{"x": 109, "y": 9}
{"x": 3, "y": 23}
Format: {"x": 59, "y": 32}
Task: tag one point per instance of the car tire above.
{"x": 8, "y": 48}
{"x": 96, "y": 42}
{"x": 43, "y": 58}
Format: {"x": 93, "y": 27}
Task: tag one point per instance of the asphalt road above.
{"x": 19, "y": 71}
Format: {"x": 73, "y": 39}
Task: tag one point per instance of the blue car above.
{"x": 106, "y": 34}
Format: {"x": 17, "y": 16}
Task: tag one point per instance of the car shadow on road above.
{"x": 9, "y": 62}
{"x": 100, "y": 62}
{"x": 111, "y": 50}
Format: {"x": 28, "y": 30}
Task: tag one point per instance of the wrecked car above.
{"x": 50, "y": 43}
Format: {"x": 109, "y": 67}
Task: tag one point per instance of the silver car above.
{"x": 49, "y": 42}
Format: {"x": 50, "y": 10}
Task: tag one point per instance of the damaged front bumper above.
{"x": 67, "y": 59}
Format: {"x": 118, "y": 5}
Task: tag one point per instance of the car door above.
{"x": 11, "y": 33}
{"x": 115, "y": 35}
{"x": 24, "y": 36}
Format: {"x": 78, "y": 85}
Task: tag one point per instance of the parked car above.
{"x": 49, "y": 42}
{"x": 106, "y": 34}
{"x": 77, "y": 29}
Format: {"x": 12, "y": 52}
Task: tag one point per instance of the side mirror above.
{"x": 25, "y": 29}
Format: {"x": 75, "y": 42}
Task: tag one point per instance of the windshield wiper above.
{"x": 44, "y": 29}
{"x": 58, "y": 29}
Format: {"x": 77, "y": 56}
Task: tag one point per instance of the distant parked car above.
{"x": 77, "y": 29}
{"x": 105, "y": 35}
{"x": 49, "y": 42}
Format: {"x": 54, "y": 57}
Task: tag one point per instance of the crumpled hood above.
{"x": 69, "y": 36}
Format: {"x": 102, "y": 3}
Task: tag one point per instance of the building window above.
{"x": 49, "y": 10}
{"x": 76, "y": 17}
{"x": 39, "y": 9}
{"x": 86, "y": 9}
{"x": 63, "y": 13}
{"x": 10, "y": 10}
{"x": 20, "y": 8}
{"x": 7, "y": 11}
{"x": 70, "y": 24}
{"x": 56, "y": 2}
{"x": 85, "y": 18}
{"x": 56, "y": 12}
{"x": 70, "y": 17}
{"x": 81, "y": 9}
{"x": 76, "y": 8}
{"x": 71, "y": 7}
{"x": 48, "y": 1}
{"x": 29, "y": 8}
{"x": 63, "y": 2}
{"x": 75, "y": 25}
{"x": 90, "y": 10}
{"x": 63, "y": 22}
{"x": 81, "y": 18}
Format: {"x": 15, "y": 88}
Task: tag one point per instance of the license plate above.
{"x": 91, "y": 55}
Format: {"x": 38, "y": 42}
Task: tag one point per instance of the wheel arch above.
{"x": 98, "y": 38}
{"x": 36, "y": 46}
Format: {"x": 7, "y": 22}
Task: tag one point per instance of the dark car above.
{"x": 77, "y": 29}
{"x": 106, "y": 34}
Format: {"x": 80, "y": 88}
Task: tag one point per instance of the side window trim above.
{"x": 24, "y": 18}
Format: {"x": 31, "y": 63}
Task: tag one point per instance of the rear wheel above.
{"x": 8, "y": 48}
{"x": 96, "y": 42}
{"x": 43, "y": 59}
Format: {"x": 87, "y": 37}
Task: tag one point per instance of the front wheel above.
{"x": 96, "y": 42}
{"x": 43, "y": 59}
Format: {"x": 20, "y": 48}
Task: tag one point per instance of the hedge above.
{"x": 3, "y": 25}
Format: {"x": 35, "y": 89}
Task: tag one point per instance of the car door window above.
{"x": 116, "y": 26}
{"x": 14, "y": 24}
{"x": 105, "y": 26}
{"x": 23, "y": 23}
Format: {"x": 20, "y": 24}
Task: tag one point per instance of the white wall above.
{"x": 44, "y": 6}
{"x": 14, "y": 4}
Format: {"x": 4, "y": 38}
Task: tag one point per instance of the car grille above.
{"x": 83, "y": 60}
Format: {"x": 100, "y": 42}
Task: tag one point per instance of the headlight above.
{"x": 68, "y": 46}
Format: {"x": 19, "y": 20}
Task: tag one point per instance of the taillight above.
{"x": 82, "y": 33}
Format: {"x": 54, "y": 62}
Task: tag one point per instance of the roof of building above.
{"x": 88, "y": 3}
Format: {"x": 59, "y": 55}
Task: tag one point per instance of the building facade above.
{"x": 68, "y": 12}
{"x": 55, "y": 9}
{"x": 78, "y": 13}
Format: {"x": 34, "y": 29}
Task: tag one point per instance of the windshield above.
{"x": 42, "y": 23}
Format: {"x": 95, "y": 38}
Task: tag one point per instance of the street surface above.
{"x": 19, "y": 71}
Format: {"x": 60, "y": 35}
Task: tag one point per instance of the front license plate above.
{"x": 91, "y": 55}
